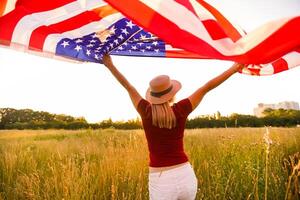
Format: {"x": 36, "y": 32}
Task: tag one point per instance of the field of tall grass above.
{"x": 240, "y": 163}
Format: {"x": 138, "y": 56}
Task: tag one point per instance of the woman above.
{"x": 171, "y": 176}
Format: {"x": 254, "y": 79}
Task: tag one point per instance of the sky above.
{"x": 89, "y": 90}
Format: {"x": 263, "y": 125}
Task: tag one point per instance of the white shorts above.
{"x": 175, "y": 184}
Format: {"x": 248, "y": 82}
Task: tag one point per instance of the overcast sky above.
{"x": 89, "y": 90}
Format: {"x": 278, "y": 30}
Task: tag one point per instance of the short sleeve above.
{"x": 143, "y": 107}
{"x": 184, "y": 107}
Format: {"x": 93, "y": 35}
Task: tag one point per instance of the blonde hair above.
{"x": 163, "y": 116}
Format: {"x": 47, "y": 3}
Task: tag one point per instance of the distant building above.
{"x": 287, "y": 105}
{"x": 218, "y": 115}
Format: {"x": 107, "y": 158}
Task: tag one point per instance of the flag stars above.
{"x": 88, "y": 52}
{"x": 78, "y": 48}
{"x": 90, "y": 45}
{"x": 156, "y": 50}
{"x": 121, "y": 37}
{"x": 134, "y": 47}
{"x": 151, "y": 35}
{"x": 92, "y": 41}
{"x": 125, "y": 31}
{"x": 111, "y": 45}
{"x": 96, "y": 56}
{"x": 112, "y": 30}
{"x": 148, "y": 47}
{"x": 130, "y": 24}
{"x": 116, "y": 41}
{"x": 79, "y": 41}
{"x": 143, "y": 37}
{"x": 65, "y": 43}
{"x": 120, "y": 48}
{"x": 155, "y": 43}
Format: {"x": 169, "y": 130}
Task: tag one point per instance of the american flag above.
{"x": 85, "y": 30}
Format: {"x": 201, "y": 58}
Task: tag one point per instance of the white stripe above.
{"x": 293, "y": 59}
{"x": 260, "y": 34}
{"x": 203, "y": 13}
{"x": 246, "y": 71}
{"x": 267, "y": 70}
{"x": 169, "y": 48}
{"x": 52, "y": 39}
{"x": 29, "y": 23}
{"x": 179, "y": 15}
{"x": 10, "y": 5}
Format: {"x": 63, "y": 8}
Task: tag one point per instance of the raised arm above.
{"x": 198, "y": 95}
{"x": 133, "y": 93}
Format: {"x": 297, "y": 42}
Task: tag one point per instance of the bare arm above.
{"x": 198, "y": 95}
{"x": 133, "y": 93}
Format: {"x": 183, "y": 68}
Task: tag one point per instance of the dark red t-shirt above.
{"x": 165, "y": 145}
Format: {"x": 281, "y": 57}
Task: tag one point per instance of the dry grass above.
{"x": 112, "y": 164}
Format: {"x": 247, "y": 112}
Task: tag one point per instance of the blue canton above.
{"x": 121, "y": 38}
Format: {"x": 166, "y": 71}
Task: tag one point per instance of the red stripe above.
{"x": 39, "y": 35}
{"x": 137, "y": 11}
{"x": 33, "y": 6}
{"x": 255, "y": 72}
{"x": 280, "y": 65}
{"x": 2, "y": 6}
{"x": 214, "y": 29}
{"x": 23, "y": 8}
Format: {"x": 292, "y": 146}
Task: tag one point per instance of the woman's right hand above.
{"x": 238, "y": 67}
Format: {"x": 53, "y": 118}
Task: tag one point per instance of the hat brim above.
{"x": 166, "y": 97}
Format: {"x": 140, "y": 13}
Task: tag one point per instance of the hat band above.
{"x": 159, "y": 94}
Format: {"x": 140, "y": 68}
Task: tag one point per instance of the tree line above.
{"x": 28, "y": 119}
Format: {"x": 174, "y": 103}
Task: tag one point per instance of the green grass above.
{"x": 112, "y": 164}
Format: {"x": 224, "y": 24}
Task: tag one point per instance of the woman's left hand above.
{"x": 107, "y": 60}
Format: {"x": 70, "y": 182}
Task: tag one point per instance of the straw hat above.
{"x": 162, "y": 89}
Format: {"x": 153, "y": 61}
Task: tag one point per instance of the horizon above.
{"x": 195, "y": 116}
{"x": 89, "y": 90}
